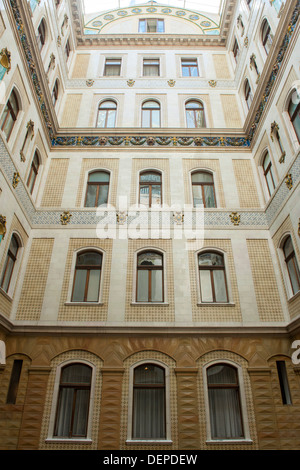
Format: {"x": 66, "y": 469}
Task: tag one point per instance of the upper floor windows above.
{"x": 97, "y": 189}
{"x": 86, "y": 285}
{"x": 34, "y": 169}
{"x": 10, "y": 114}
{"x": 213, "y": 285}
{"x": 269, "y": 174}
{"x": 294, "y": 114}
{"x": 236, "y": 50}
{"x": 224, "y": 402}
{"x": 291, "y": 264}
{"x": 150, "y": 277}
{"x": 55, "y": 90}
{"x": 266, "y": 37}
{"x": 112, "y": 67}
{"x": 73, "y": 401}
{"x": 151, "y": 114}
{"x": 10, "y": 263}
{"x": 189, "y": 68}
{"x": 194, "y": 112}
{"x": 151, "y": 68}
{"x": 248, "y": 93}
{"x": 150, "y": 188}
{"x": 41, "y": 34}
{"x": 67, "y": 49}
{"x": 149, "y": 402}
{"x": 107, "y": 113}
{"x": 151, "y": 25}
{"x": 203, "y": 189}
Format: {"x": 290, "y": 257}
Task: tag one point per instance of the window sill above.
{"x": 70, "y": 440}
{"x": 149, "y": 441}
{"x": 215, "y": 304}
{"x": 294, "y": 297}
{"x": 229, "y": 441}
{"x": 5, "y": 295}
{"x": 79, "y": 304}
{"x": 162, "y": 304}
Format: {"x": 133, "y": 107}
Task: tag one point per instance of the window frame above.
{"x": 291, "y": 256}
{"x": 41, "y": 34}
{"x": 236, "y": 50}
{"x": 112, "y": 62}
{"x": 294, "y": 115}
{"x": 243, "y": 403}
{"x": 15, "y": 259}
{"x": 106, "y": 113}
{"x": 150, "y": 184}
{"x": 185, "y": 65}
{"x": 10, "y": 114}
{"x": 211, "y": 269}
{"x": 150, "y": 110}
{"x": 156, "y": 63}
{"x": 146, "y": 20}
{"x": 248, "y": 95}
{"x": 34, "y": 170}
{"x": 265, "y": 34}
{"x": 55, "y": 92}
{"x": 150, "y": 269}
{"x": 202, "y": 187}
{"x": 97, "y": 183}
{"x": 76, "y": 254}
{"x": 194, "y": 110}
{"x": 268, "y": 170}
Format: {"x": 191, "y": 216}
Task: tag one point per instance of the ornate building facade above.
{"x": 149, "y": 225}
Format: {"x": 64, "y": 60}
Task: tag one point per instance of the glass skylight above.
{"x": 205, "y": 6}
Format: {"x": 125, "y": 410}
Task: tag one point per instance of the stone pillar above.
{"x": 265, "y": 415}
{"x": 188, "y": 415}
{"x": 110, "y": 417}
{"x": 30, "y": 430}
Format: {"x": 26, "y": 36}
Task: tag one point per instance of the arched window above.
{"x": 150, "y": 277}
{"x": 149, "y": 402}
{"x": 33, "y": 172}
{"x": 194, "y": 112}
{"x": 268, "y": 172}
{"x": 10, "y": 263}
{"x": 203, "y": 189}
{"x": 266, "y": 37}
{"x": 41, "y": 34}
{"x": 224, "y": 402}
{"x": 107, "y": 112}
{"x": 10, "y": 114}
{"x": 55, "y": 92}
{"x": 151, "y": 114}
{"x": 86, "y": 285}
{"x": 97, "y": 189}
{"x": 291, "y": 264}
{"x": 248, "y": 94}
{"x": 294, "y": 113}
{"x": 150, "y": 188}
{"x": 213, "y": 285}
{"x": 73, "y": 401}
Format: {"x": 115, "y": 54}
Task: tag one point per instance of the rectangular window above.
{"x": 112, "y": 67}
{"x": 14, "y": 382}
{"x": 284, "y": 384}
{"x": 189, "y": 68}
{"x": 151, "y": 25}
{"x": 236, "y": 50}
{"x": 67, "y": 50}
{"x": 151, "y": 67}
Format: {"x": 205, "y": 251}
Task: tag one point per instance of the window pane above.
{"x": 142, "y": 290}
{"x": 7, "y": 128}
{"x": 151, "y": 25}
{"x": 103, "y": 195}
{"x": 197, "y": 195}
{"x": 221, "y": 374}
{"x": 111, "y": 118}
{"x": 144, "y": 195}
{"x": 99, "y": 177}
{"x": 146, "y": 118}
{"x": 93, "y": 287}
{"x": 7, "y": 274}
{"x": 294, "y": 274}
{"x": 156, "y": 195}
{"x": 150, "y": 177}
{"x": 202, "y": 177}
{"x": 296, "y": 124}
{"x": 200, "y": 118}
{"x": 209, "y": 196}
{"x": 220, "y": 285}
{"x": 225, "y": 414}
{"x": 81, "y": 413}
{"x": 142, "y": 26}
{"x": 211, "y": 259}
{"x": 91, "y": 196}
{"x": 190, "y": 118}
{"x": 92, "y": 258}
{"x": 160, "y": 26}
{"x": 205, "y": 285}
{"x": 149, "y": 414}
{"x": 76, "y": 373}
{"x": 64, "y": 415}
{"x": 79, "y": 285}
{"x": 156, "y": 286}
{"x": 270, "y": 183}
{"x": 149, "y": 374}
{"x": 150, "y": 259}
{"x": 156, "y": 118}
{"x": 101, "y": 118}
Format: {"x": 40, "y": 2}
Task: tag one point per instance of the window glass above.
{"x": 86, "y": 283}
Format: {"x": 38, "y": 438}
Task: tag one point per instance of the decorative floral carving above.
{"x": 121, "y": 217}
{"x": 90, "y": 82}
{"x": 178, "y": 217}
{"x": 65, "y": 218}
{"x": 212, "y": 83}
{"x": 235, "y": 218}
{"x": 289, "y": 181}
{"x": 5, "y": 59}
{"x": 171, "y": 82}
{"x": 2, "y": 225}
{"x": 16, "y": 179}
{"x": 130, "y": 82}
{"x": 150, "y": 140}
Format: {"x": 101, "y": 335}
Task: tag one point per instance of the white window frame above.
{"x": 17, "y": 265}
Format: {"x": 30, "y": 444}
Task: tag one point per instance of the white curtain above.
{"x": 149, "y": 414}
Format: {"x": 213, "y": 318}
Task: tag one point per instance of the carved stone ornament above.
{"x": 58, "y": 41}
{"x": 5, "y": 59}
{"x": 130, "y": 82}
{"x": 121, "y": 217}
{"x": 274, "y": 128}
{"x": 178, "y": 217}
{"x": 171, "y": 82}
{"x": 289, "y": 181}
{"x": 246, "y": 41}
{"x": 150, "y": 140}
{"x": 2, "y": 225}
{"x": 90, "y": 82}
{"x": 16, "y": 179}
{"x": 65, "y": 218}
{"x": 212, "y": 83}
{"x": 235, "y": 218}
